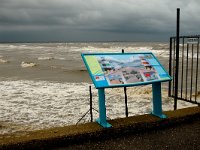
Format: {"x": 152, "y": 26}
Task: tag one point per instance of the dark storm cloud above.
{"x": 81, "y": 19}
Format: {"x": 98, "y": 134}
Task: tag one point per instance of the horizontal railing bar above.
{"x": 190, "y": 36}
{"x": 183, "y": 99}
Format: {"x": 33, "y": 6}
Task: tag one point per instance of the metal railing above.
{"x": 186, "y": 83}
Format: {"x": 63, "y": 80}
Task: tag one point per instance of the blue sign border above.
{"x": 123, "y": 85}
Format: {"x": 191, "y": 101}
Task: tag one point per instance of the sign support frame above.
{"x": 157, "y": 100}
{"x": 102, "y": 109}
{"x": 156, "y": 87}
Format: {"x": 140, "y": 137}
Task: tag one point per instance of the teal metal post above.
{"x": 157, "y": 100}
{"x": 102, "y": 110}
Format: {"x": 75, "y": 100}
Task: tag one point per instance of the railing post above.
{"x": 197, "y": 68}
{"x": 170, "y": 66}
{"x": 177, "y": 57}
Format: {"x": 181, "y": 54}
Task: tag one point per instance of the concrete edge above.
{"x": 63, "y": 136}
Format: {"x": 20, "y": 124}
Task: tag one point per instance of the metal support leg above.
{"x": 102, "y": 110}
{"x": 157, "y": 100}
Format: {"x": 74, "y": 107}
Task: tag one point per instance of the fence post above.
{"x": 91, "y": 115}
{"x": 126, "y": 103}
{"x": 177, "y": 57}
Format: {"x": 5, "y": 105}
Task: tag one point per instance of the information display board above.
{"x": 124, "y": 69}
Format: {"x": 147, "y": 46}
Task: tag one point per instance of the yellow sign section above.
{"x": 94, "y": 65}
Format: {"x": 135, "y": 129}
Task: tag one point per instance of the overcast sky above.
{"x": 96, "y": 20}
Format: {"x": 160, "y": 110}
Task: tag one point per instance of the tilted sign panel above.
{"x": 114, "y": 70}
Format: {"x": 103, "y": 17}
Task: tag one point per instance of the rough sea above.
{"x": 45, "y": 85}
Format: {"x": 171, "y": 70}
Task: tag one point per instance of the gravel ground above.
{"x": 184, "y": 137}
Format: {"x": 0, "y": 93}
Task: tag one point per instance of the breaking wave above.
{"x": 45, "y": 58}
{"x": 3, "y": 60}
{"x": 28, "y": 64}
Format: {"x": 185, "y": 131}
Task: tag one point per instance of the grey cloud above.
{"x": 91, "y": 17}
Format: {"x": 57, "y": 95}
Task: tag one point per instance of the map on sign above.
{"x": 114, "y": 70}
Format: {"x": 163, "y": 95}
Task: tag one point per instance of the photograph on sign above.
{"x": 123, "y": 69}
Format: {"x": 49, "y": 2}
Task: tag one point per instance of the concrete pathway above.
{"x": 182, "y": 136}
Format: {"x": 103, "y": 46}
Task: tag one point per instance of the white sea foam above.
{"x": 163, "y": 45}
{"x": 51, "y": 58}
{"x": 158, "y": 53}
{"x": 45, "y": 58}
{"x": 31, "y": 105}
{"x": 3, "y": 60}
{"x": 28, "y": 64}
{"x": 60, "y": 58}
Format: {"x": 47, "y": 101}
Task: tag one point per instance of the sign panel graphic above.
{"x": 114, "y": 70}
